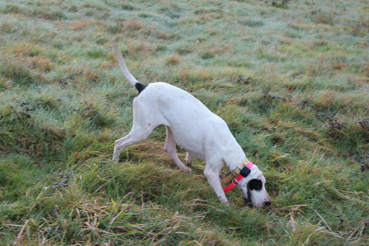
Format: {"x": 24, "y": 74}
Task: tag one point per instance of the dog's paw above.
{"x": 226, "y": 204}
{"x": 223, "y": 200}
{"x": 187, "y": 170}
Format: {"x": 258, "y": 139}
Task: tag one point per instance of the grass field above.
{"x": 291, "y": 79}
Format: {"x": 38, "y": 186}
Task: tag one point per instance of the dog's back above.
{"x": 191, "y": 122}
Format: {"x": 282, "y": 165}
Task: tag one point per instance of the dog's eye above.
{"x": 255, "y": 184}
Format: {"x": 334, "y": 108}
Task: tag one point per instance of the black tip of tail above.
{"x": 140, "y": 87}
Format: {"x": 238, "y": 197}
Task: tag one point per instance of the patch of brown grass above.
{"x": 42, "y": 63}
{"x": 337, "y": 65}
{"x": 323, "y": 17}
{"x": 365, "y": 70}
{"x": 173, "y": 60}
{"x": 79, "y": 25}
{"x": 140, "y": 48}
{"x": 360, "y": 27}
{"x": 316, "y": 68}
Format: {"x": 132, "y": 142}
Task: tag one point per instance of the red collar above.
{"x": 245, "y": 171}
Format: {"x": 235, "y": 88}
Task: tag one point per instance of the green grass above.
{"x": 301, "y": 117}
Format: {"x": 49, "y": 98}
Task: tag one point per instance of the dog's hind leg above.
{"x": 170, "y": 148}
{"x": 136, "y": 135}
{"x": 142, "y": 127}
{"x": 189, "y": 158}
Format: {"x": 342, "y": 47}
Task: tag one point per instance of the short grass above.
{"x": 291, "y": 79}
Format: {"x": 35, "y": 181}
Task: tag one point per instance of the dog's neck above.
{"x": 245, "y": 163}
{"x": 234, "y": 158}
{"x": 235, "y": 173}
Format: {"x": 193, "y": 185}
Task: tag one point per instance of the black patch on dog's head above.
{"x": 140, "y": 87}
{"x": 255, "y": 184}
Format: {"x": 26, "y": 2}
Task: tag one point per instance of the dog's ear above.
{"x": 255, "y": 184}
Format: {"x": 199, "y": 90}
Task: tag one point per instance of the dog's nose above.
{"x": 267, "y": 203}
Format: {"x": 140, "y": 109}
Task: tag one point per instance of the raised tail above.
{"x": 140, "y": 87}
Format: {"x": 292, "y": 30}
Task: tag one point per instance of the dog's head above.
{"x": 253, "y": 188}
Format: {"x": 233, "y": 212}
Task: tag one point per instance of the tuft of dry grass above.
{"x": 173, "y": 60}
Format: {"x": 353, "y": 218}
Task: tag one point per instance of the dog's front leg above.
{"x": 212, "y": 174}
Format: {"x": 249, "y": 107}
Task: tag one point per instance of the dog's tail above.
{"x": 140, "y": 87}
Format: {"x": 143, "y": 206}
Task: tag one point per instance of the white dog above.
{"x": 196, "y": 129}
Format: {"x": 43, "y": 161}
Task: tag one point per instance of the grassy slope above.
{"x": 64, "y": 101}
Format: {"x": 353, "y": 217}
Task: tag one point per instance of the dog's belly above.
{"x": 197, "y": 132}
{"x": 194, "y": 146}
